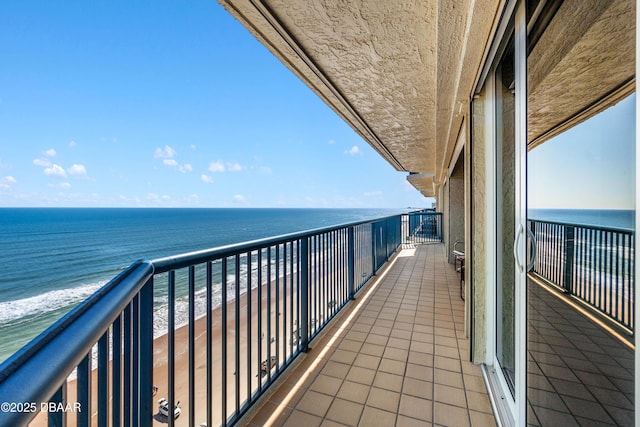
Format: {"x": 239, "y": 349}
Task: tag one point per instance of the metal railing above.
{"x": 595, "y": 264}
{"x": 230, "y": 320}
{"x": 423, "y": 226}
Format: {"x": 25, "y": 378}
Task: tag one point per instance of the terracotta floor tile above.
{"x": 450, "y": 395}
{"x": 415, "y": 407}
{"x": 361, "y": 375}
{"x": 345, "y": 412}
{"x": 383, "y": 399}
{"x": 299, "y": 418}
{"x": 388, "y": 381}
{"x": 314, "y": 403}
{"x": 354, "y": 392}
{"x": 448, "y": 415}
{"x": 374, "y": 417}
{"x": 326, "y": 384}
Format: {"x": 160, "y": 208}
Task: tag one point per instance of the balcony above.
{"x": 396, "y": 356}
{"x": 231, "y": 349}
{"x": 359, "y": 324}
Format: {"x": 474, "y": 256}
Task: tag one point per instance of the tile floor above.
{"x": 396, "y": 356}
{"x": 578, "y": 374}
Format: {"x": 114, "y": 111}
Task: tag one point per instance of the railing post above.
{"x": 568, "y": 258}
{"x": 373, "y": 249}
{"x": 58, "y": 418}
{"x": 146, "y": 354}
{"x": 304, "y": 293}
{"x": 351, "y": 271}
{"x": 532, "y": 227}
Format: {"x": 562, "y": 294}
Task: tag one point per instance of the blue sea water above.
{"x": 53, "y": 258}
{"x": 613, "y": 218}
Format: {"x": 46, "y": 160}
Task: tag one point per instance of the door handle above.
{"x": 515, "y": 248}
{"x": 534, "y": 249}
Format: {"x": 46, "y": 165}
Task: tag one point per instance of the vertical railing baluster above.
{"x": 103, "y": 380}
{"x": 249, "y": 324}
{"x": 209, "y": 334}
{"x": 58, "y": 418}
{"x": 135, "y": 362}
{"x": 237, "y": 329}
{"x": 84, "y": 391}
{"x": 304, "y": 293}
{"x": 291, "y": 294}
{"x": 568, "y": 258}
{"x": 224, "y": 340}
{"x": 277, "y": 313}
{"x": 192, "y": 344}
{"x": 127, "y": 413}
{"x": 351, "y": 262}
{"x": 269, "y": 320}
{"x": 171, "y": 345}
{"x": 616, "y": 282}
{"x": 116, "y": 371}
{"x": 260, "y": 333}
{"x": 146, "y": 353}
{"x": 284, "y": 302}
{"x": 325, "y": 272}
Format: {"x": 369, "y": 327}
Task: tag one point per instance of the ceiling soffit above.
{"x": 399, "y": 72}
{"x": 380, "y": 56}
{"x": 582, "y": 61}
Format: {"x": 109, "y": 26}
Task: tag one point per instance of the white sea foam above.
{"x": 12, "y": 311}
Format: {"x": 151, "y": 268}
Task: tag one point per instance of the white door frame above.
{"x": 513, "y": 410}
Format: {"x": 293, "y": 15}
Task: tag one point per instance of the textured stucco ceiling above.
{"x": 586, "y": 53}
{"x": 401, "y": 72}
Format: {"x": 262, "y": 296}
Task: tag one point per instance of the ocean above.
{"x": 597, "y": 217}
{"x": 54, "y": 258}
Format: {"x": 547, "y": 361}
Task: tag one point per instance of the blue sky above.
{"x": 168, "y": 104}
{"x": 591, "y": 166}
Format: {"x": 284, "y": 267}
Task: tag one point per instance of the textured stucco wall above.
{"x": 456, "y": 206}
{"x": 479, "y": 231}
{"x": 445, "y": 214}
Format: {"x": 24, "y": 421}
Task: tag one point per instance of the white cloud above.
{"x": 234, "y": 167}
{"x": 170, "y": 162}
{"x": 185, "y": 168}
{"x": 72, "y": 144}
{"x": 206, "y": 179}
{"x": 331, "y": 142}
{"x": 354, "y": 150}
{"x": 164, "y": 153}
{"x": 50, "y": 152}
{"x": 216, "y": 166}
{"x": 7, "y": 181}
{"x": 63, "y": 185}
{"x": 42, "y": 162}
{"x": 55, "y": 170}
{"x": 77, "y": 170}
{"x": 239, "y": 198}
{"x": 220, "y": 166}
